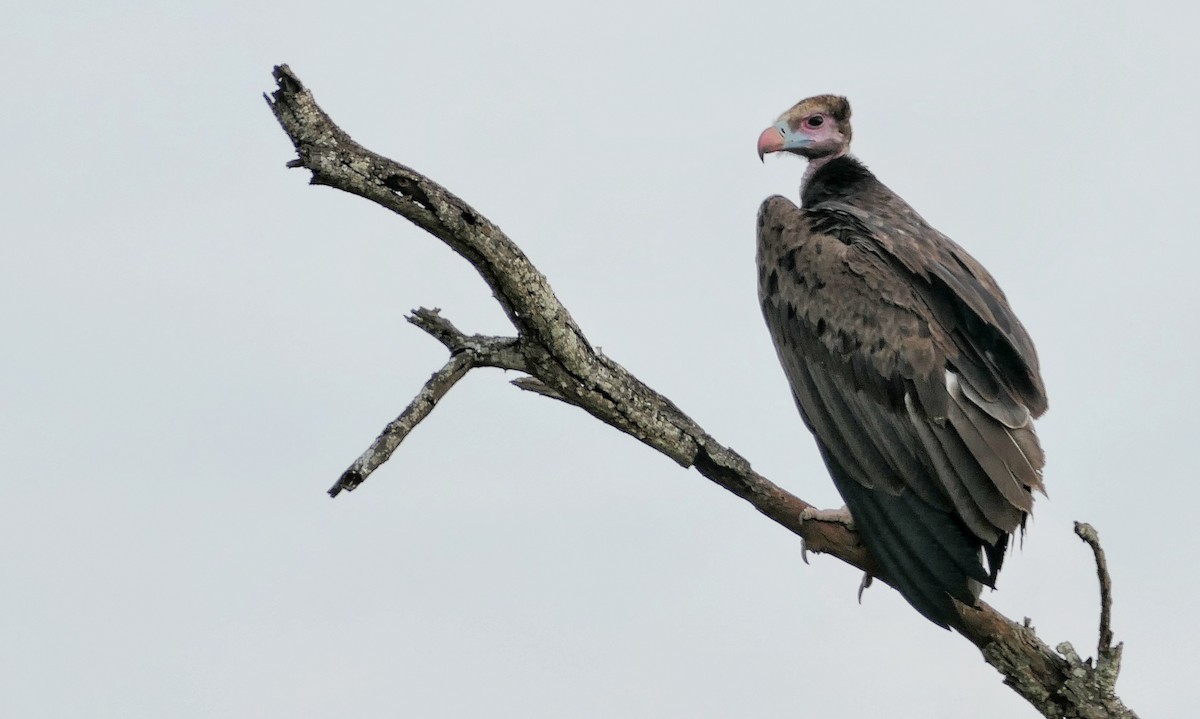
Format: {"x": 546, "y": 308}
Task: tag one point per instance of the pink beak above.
{"x": 771, "y": 140}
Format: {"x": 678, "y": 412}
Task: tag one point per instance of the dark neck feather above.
{"x": 840, "y": 178}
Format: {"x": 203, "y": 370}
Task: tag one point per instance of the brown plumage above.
{"x": 907, "y": 364}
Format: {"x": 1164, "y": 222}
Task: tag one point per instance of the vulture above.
{"x": 907, "y": 364}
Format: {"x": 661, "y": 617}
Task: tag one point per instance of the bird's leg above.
{"x": 841, "y": 516}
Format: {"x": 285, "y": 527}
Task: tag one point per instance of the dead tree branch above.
{"x": 466, "y": 353}
{"x": 561, "y": 363}
{"x": 1108, "y": 657}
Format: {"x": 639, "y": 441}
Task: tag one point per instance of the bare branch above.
{"x": 487, "y": 351}
{"x": 552, "y": 348}
{"x": 1088, "y": 534}
{"x": 1108, "y": 657}
{"x": 535, "y": 385}
{"x": 466, "y": 353}
{"x": 396, "y": 430}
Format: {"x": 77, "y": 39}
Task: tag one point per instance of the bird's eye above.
{"x": 815, "y": 121}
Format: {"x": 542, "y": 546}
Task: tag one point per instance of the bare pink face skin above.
{"x": 817, "y": 129}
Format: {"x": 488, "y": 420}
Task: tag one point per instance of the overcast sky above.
{"x": 196, "y": 343}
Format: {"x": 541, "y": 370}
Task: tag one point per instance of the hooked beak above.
{"x": 779, "y": 137}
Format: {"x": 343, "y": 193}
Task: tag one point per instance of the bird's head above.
{"x": 818, "y": 127}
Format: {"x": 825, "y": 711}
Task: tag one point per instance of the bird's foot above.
{"x": 841, "y": 516}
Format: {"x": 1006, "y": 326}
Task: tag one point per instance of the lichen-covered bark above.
{"x": 553, "y": 350}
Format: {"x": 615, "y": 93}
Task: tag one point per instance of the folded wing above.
{"x": 918, "y": 383}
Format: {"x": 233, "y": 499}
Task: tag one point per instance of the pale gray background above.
{"x": 192, "y": 354}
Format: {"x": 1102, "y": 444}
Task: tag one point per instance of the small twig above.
{"x": 466, "y": 353}
{"x": 535, "y": 385}
{"x": 438, "y": 327}
{"x": 490, "y": 351}
{"x": 1087, "y": 533}
{"x": 396, "y": 430}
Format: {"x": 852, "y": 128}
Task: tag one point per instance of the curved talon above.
{"x": 862, "y": 586}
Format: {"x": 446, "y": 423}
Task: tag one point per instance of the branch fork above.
{"x": 559, "y": 362}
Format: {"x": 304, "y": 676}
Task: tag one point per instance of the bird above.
{"x": 908, "y": 365}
